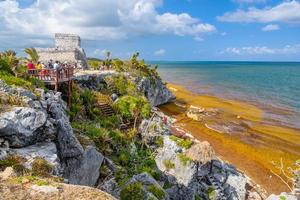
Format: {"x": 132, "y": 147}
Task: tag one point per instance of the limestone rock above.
{"x": 85, "y": 171}
{"x": 7, "y": 173}
{"x": 155, "y": 91}
{"x": 201, "y": 152}
{"x": 184, "y": 173}
{"x": 46, "y": 151}
{"x": 44, "y": 189}
{"x": 152, "y": 129}
{"x": 21, "y": 125}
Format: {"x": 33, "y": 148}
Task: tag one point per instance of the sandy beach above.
{"x": 239, "y": 134}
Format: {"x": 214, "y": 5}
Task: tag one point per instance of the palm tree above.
{"x": 11, "y": 59}
{"x": 32, "y": 55}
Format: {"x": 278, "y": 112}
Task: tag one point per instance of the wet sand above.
{"x": 239, "y": 134}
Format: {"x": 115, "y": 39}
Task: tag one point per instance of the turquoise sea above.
{"x": 273, "y": 86}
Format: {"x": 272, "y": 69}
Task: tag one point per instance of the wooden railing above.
{"x": 53, "y": 75}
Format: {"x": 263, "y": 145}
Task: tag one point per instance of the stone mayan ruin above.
{"x": 67, "y": 49}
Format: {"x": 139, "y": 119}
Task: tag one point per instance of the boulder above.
{"x": 201, "y": 152}
{"x": 86, "y": 170}
{"x": 152, "y": 129}
{"x": 154, "y": 90}
{"x": 168, "y": 161}
{"x": 46, "y": 151}
{"x": 21, "y": 126}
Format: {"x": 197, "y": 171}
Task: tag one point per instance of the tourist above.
{"x": 30, "y": 67}
{"x": 50, "y": 64}
{"x": 56, "y": 65}
{"x": 39, "y": 65}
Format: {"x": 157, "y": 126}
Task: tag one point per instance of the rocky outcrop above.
{"x": 47, "y": 151}
{"x": 92, "y": 79}
{"x": 194, "y": 172}
{"x": 86, "y": 170}
{"x": 42, "y": 129}
{"x": 21, "y": 126}
{"x": 154, "y": 90}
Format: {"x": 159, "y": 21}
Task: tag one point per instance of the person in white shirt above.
{"x": 56, "y": 65}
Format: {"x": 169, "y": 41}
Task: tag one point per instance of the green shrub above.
{"x": 211, "y": 193}
{"x": 167, "y": 185}
{"x": 159, "y": 141}
{"x": 157, "y": 192}
{"x": 4, "y": 66}
{"x": 169, "y": 164}
{"x": 12, "y": 80}
{"x": 183, "y": 143}
{"x": 183, "y": 159}
{"x": 197, "y": 197}
{"x": 40, "y": 167}
{"x": 133, "y": 191}
{"x": 282, "y": 198}
{"x": 131, "y": 107}
{"x": 16, "y": 162}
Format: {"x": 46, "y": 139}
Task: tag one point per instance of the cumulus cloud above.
{"x": 263, "y": 50}
{"x": 287, "y": 12}
{"x": 95, "y": 19}
{"x": 160, "y": 52}
{"x": 271, "y": 27}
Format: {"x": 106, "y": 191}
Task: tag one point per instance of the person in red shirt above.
{"x": 30, "y": 67}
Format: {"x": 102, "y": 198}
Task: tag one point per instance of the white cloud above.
{"x": 95, "y": 19}
{"x": 271, "y": 27}
{"x": 160, "y": 52}
{"x": 263, "y": 50}
{"x": 287, "y": 11}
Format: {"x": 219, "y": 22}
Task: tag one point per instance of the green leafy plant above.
{"x": 211, "y": 193}
{"x": 133, "y": 108}
{"x": 32, "y": 55}
{"x": 159, "y": 141}
{"x": 169, "y": 164}
{"x": 183, "y": 159}
{"x": 133, "y": 191}
{"x": 157, "y": 192}
{"x": 16, "y": 162}
{"x": 40, "y": 167}
{"x": 184, "y": 143}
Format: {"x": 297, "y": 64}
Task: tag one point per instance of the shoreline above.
{"x": 249, "y": 144}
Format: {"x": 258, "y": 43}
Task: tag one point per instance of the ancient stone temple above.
{"x": 67, "y": 49}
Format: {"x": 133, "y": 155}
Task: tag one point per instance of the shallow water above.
{"x": 272, "y": 86}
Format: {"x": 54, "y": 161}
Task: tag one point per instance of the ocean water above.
{"x": 272, "y": 86}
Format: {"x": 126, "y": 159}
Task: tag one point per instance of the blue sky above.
{"x": 253, "y": 30}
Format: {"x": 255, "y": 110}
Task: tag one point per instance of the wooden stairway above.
{"x": 104, "y": 103}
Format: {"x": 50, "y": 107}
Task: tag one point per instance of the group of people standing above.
{"x": 46, "y": 71}
{"x": 40, "y": 65}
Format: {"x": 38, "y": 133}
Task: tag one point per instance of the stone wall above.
{"x": 67, "y": 49}
{"x": 67, "y": 41}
